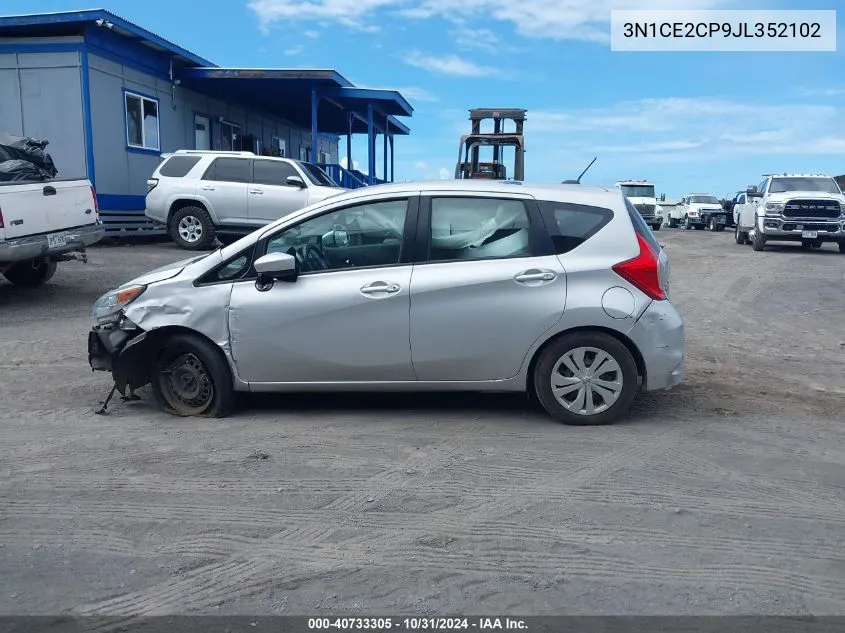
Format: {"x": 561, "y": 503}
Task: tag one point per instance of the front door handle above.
{"x": 380, "y": 287}
{"x": 535, "y": 275}
{"x": 257, "y": 192}
{"x": 207, "y": 188}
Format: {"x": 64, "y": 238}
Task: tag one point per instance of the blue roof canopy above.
{"x": 285, "y": 93}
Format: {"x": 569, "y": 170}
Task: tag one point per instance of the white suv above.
{"x": 200, "y": 195}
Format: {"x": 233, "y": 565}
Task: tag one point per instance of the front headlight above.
{"x": 107, "y": 308}
{"x": 774, "y": 207}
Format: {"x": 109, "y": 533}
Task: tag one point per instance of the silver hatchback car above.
{"x": 559, "y": 291}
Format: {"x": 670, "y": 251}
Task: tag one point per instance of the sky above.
{"x": 687, "y": 121}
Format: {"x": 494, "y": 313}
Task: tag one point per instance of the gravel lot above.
{"x": 725, "y": 496}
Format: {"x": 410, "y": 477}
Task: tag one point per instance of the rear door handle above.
{"x": 535, "y": 275}
{"x": 207, "y": 188}
{"x": 380, "y": 287}
{"x": 256, "y": 192}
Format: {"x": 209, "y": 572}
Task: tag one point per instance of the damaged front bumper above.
{"x": 122, "y": 351}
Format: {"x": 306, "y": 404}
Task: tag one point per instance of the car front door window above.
{"x": 363, "y": 235}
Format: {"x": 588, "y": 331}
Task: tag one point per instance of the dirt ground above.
{"x": 725, "y": 496}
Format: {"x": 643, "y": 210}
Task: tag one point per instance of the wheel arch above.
{"x": 180, "y": 203}
{"x": 133, "y": 369}
{"x": 619, "y": 336}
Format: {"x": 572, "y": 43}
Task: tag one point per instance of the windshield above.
{"x": 824, "y": 185}
{"x": 638, "y": 191}
{"x": 316, "y": 175}
{"x": 704, "y": 199}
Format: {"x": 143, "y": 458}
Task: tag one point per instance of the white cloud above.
{"x": 447, "y": 65}
{"x": 417, "y": 94}
{"x": 552, "y": 19}
{"x": 311, "y": 34}
{"x": 688, "y": 129}
{"x": 444, "y": 173}
{"x": 469, "y": 38}
{"x": 344, "y": 162}
{"x": 420, "y": 165}
{"x": 294, "y": 50}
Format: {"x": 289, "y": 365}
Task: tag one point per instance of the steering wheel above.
{"x": 311, "y": 258}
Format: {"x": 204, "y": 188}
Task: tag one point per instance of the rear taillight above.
{"x": 151, "y": 184}
{"x": 643, "y": 271}
{"x": 96, "y": 202}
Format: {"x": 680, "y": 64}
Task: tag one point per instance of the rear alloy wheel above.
{"x": 31, "y": 273}
{"x": 586, "y": 378}
{"x": 190, "y": 377}
{"x": 192, "y": 228}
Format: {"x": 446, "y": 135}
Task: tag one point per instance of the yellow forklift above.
{"x": 468, "y": 165}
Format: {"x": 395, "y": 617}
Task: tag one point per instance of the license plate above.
{"x": 56, "y": 240}
{"x": 809, "y": 234}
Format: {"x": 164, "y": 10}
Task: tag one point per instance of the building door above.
{"x": 202, "y": 132}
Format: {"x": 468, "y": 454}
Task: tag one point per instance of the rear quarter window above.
{"x": 642, "y": 229}
{"x": 570, "y": 225}
{"x": 178, "y": 166}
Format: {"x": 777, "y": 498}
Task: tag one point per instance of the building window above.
{"x": 228, "y": 135}
{"x": 324, "y": 158}
{"x": 202, "y": 132}
{"x": 278, "y": 147}
{"x": 305, "y": 154}
{"x": 142, "y": 127}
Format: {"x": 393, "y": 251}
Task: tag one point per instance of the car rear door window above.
{"x": 570, "y": 225}
{"x": 272, "y": 172}
{"x": 478, "y": 228}
{"x": 178, "y": 166}
{"x": 228, "y": 170}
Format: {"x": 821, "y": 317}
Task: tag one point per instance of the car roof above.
{"x": 546, "y": 191}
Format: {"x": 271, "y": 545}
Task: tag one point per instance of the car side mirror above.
{"x": 752, "y": 192}
{"x": 281, "y": 266}
{"x": 336, "y": 238}
{"x": 295, "y": 181}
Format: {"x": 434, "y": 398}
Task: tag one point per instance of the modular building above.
{"x": 111, "y": 97}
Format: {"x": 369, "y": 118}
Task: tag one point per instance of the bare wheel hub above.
{"x": 189, "y": 382}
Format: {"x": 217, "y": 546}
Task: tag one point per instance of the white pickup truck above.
{"x": 42, "y": 223}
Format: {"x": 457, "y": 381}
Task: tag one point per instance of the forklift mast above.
{"x": 468, "y": 152}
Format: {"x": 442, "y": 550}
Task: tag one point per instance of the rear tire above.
{"x": 687, "y": 224}
{"x": 190, "y": 377}
{"x": 842, "y": 247}
{"x": 614, "y": 388}
{"x": 31, "y": 273}
{"x": 720, "y": 228}
{"x": 192, "y": 228}
{"x": 655, "y": 227}
{"x": 673, "y": 223}
{"x": 741, "y": 237}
